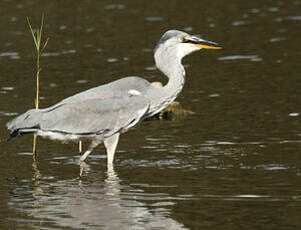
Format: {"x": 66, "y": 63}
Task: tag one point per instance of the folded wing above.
{"x": 95, "y": 116}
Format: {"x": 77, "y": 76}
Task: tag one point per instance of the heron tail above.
{"x": 26, "y": 123}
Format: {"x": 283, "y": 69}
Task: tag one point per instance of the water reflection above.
{"x": 81, "y": 203}
{"x": 294, "y": 18}
{"x": 115, "y": 6}
{"x": 12, "y": 55}
{"x": 149, "y": 190}
{"x": 235, "y": 57}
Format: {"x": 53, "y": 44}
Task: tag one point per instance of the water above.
{"x": 233, "y": 164}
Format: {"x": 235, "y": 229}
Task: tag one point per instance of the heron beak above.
{"x": 209, "y": 46}
{"x": 201, "y": 43}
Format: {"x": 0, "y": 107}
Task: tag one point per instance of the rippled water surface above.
{"x": 233, "y": 164}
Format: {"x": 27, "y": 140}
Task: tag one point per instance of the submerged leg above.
{"x": 93, "y": 144}
{"x": 83, "y": 167}
{"x": 111, "y": 144}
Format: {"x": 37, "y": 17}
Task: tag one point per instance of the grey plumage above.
{"x": 25, "y": 123}
{"x": 168, "y": 35}
{"x": 96, "y": 116}
{"x": 100, "y": 114}
{"x": 118, "y": 88}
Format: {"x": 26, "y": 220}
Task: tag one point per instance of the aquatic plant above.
{"x": 40, "y": 46}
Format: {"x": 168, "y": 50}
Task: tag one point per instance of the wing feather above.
{"x": 98, "y": 116}
{"x": 118, "y": 88}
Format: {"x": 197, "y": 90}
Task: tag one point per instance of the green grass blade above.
{"x": 33, "y": 35}
{"x": 42, "y": 24}
{"x": 39, "y": 39}
{"x": 45, "y": 44}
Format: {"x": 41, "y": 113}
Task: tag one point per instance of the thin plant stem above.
{"x": 37, "y": 39}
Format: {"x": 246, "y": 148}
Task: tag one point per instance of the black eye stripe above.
{"x": 191, "y": 41}
{"x": 200, "y": 42}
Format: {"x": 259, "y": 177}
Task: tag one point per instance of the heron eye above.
{"x": 185, "y": 39}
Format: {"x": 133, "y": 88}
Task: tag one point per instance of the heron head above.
{"x": 181, "y": 44}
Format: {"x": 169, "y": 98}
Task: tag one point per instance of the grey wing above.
{"x": 118, "y": 88}
{"x": 96, "y": 116}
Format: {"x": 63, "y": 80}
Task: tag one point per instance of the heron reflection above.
{"x": 81, "y": 203}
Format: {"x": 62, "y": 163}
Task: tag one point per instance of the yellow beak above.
{"x": 208, "y": 47}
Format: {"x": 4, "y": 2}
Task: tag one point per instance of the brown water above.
{"x": 234, "y": 164}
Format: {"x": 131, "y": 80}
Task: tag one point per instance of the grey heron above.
{"x": 102, "y": 113}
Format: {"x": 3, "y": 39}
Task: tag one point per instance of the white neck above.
{"x": 176, "y": 80}
{"x": 174, "y": 70}
{"x": 168, "y": 56}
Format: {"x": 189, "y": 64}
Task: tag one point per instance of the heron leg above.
{"x": 111, "y": 144}
{"x": 80, "y": 147}
{"x": 93, "y": 144}
{"x": 83, "y": 166}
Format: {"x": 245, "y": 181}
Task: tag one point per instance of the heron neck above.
{"x": 164, "y": 96}
{"x": 176, "y": 78}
